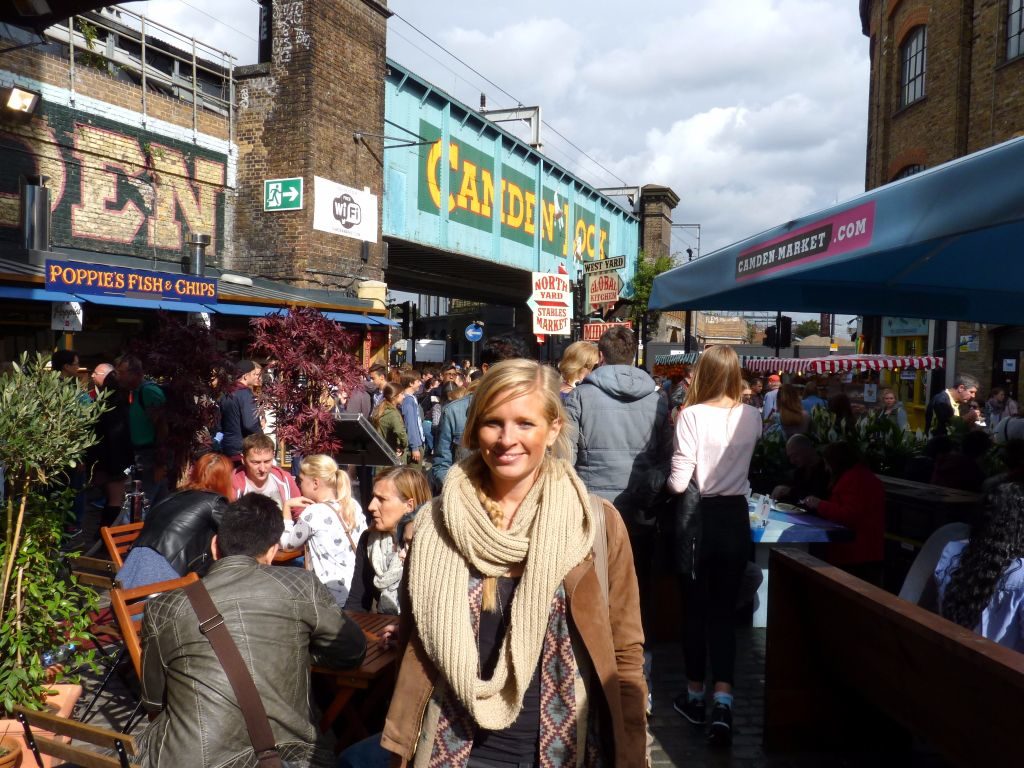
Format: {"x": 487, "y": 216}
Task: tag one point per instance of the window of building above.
{"x": 1014, "y": 29}
{"x": 912, "y": 59}
{"x": 908, "y": 170}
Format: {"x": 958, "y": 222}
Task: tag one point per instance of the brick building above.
{"x": 313, "y": 108}
{"x": 946, "y": 82}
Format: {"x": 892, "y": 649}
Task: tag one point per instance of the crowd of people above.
{"x": 514, "y": 540}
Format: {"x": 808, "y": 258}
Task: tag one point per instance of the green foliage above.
{"x": 46, "y": 425}
{"x": 643, "y": 281}
{"x": 769, "y": 463}
{"x": 49, "y": 608}
{"x": 90, "y": 58}
{"x": 807, "y": 328}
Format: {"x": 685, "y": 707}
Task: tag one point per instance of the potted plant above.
{"x": 44, "y": 612}
{"x": 10, "y": 752}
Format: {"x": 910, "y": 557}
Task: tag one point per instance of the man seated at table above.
{"x": 856, "y": 500}
{"x": 259, "y": 475}
{"x": 809, "y": 475}
{"x": 281, "y": 619}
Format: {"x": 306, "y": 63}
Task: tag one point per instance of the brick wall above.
{"x": 974, "y": 100}
{"x": 656, "y": 206}
{"x": 121, "y": 181}
{"x": 297, "y": 117}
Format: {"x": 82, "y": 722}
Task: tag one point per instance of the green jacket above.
{"x": 392, "y": 429}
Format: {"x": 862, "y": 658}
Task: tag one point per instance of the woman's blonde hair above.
{"x": 325, "y": 469}
{"x": 578, "y": 356}
{"x": 717, "y": 374}
{"x": 503, "y": 382}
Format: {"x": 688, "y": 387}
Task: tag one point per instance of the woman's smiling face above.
{"x": 513, "y": 440}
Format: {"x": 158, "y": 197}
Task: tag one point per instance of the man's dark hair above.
{"x": 61, "y": 358}
{"x": 505, "y": 347}
{"x": 378, "y": 368}
{"x": 131, "y": 362}
{"x": 617, "y": 346}
{"x": 250, "y": 526}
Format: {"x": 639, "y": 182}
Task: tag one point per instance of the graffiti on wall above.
{"x": 113, "y": 187}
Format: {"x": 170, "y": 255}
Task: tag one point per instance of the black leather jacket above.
{"x": 282, "y": 620}
{"x": 180, "y": 527}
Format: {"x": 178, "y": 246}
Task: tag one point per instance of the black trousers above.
{"x": 709, "y": 601}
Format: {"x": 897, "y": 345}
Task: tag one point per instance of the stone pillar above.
{"x": 656, "y": 206}
{"x": 298, "y": 116}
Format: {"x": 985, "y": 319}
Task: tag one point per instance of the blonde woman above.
{"x": 513, "y": 608}
{"x": 578, "y": 360}
{"x": 329, "y": 528}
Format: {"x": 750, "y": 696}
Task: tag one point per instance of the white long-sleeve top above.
{"x": 715, "y": 444}
{"x": 330, "y": 544}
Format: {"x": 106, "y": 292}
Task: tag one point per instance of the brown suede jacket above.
{"x": 611, "y": 634}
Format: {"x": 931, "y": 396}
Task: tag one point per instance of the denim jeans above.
{"x": 367, "y": 753}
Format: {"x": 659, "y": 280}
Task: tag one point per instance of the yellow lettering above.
{"x": 547, "y": 211}
{"x": 468, "y": 198}
{"x": 604, "y": 239}
{"x": 488, "y": 184}
{"x": 54, "y": 273}
{"x": 516, "y": 209}
{"x": 119, "y": 281}
{"x": 433, "y": 185}
{"x": 184, "y": 200}
{"x": 95, "y": 216}
{"x": 590, "y": 240}
{"x": 530, "y": 203}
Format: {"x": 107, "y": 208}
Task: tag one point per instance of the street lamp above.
{"x": 20, "y": 100}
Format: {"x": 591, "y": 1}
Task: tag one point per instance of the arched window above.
{"x": 908, "y": 170}
{"x": 1014, "y": 29}
{"x": 912, "y": 61}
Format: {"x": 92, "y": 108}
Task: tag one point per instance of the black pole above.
{"x": 686, "y": 331}
{"x": 778, "y": 331}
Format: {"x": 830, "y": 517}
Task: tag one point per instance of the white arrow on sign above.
{"x": 292, "y": 194}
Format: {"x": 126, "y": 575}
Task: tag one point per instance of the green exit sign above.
{"x": 282, "y": 194}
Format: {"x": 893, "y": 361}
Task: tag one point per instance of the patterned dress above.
{"x": 330, "y": 546}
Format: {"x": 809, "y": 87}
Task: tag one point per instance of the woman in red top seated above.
{"x": 856, "y": 500}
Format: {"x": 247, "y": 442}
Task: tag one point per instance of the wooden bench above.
{"x": 120, "y": 744}
{"x": 844, "y": 657}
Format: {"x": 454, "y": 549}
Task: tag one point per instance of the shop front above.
{"x": 907, "y": 337}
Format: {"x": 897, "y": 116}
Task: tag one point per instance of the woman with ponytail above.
{"x": 522, "y": 600}
{"x": 388, "y": 420}
{"x": 329, "y": 527}
{"x": 980, "y": 582}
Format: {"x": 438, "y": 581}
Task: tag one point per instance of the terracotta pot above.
{"x": 12, "y": 759}
{"x": 62, "y": 704}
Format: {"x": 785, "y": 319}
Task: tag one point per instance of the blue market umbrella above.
{"x": 943, "y": 244}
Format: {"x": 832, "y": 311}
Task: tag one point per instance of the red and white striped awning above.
{"x": 841, "y": 363}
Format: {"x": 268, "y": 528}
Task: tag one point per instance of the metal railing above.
{"x": 157, "y": 57}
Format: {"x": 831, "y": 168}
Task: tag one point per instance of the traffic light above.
{"x": 786, "y": 338}
{"x": 769, "y": 336}
{"x": 405, "y": 312}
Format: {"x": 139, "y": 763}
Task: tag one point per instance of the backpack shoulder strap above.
{"x": 600, "y": 542}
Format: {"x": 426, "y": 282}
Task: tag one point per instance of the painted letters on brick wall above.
{"x": 113, "y": 188}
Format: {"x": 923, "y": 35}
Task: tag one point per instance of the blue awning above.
{"x": 243, "y": 310}
{"x": 351, "y": 317}
{"x": 125, "y": 301}
{"x": 943, "y": 244}
{"x": 34, "y": 294}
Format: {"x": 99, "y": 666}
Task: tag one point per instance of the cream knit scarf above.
{"x": 551, "y": 533}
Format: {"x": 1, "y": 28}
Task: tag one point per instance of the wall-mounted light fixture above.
{"x": 20, "y": 100}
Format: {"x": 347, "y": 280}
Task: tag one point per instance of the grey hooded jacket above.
{"x": 622, "y": 436}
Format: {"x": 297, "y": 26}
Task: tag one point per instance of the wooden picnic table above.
{"x": 371, "y": 674}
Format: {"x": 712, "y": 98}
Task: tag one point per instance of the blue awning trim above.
{"x": 183, "y": 306}
{"x": 243, "y": 310}
{"x": 349, "y": 317}
{"x": 34, "y": 294}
